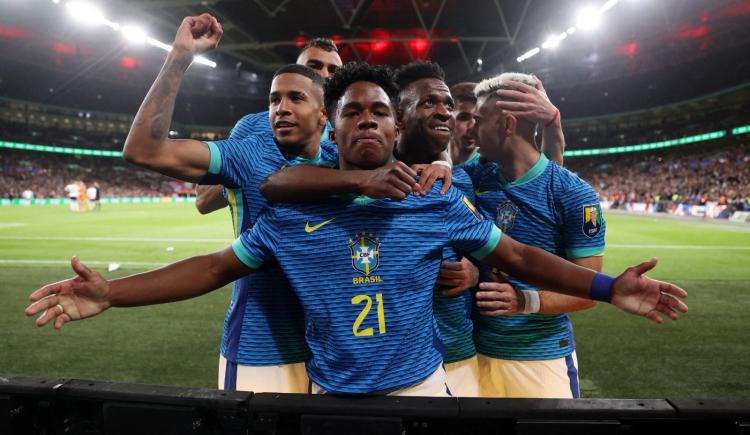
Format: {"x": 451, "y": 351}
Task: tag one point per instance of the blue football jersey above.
{"x": 551, "y": 208}
{"x": 264, "y": 324}
{"x": 453, "y": 313}
{"x": 365, "y": 271}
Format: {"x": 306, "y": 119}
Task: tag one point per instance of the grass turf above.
{"x": 704, "y": 355}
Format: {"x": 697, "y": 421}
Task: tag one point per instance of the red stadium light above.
{"x": 379, "y": 45}
{"x": 418, "y": 47}
{"x": 692, "y": 32}
{"x": 128, "y": 62}
{"x": 12, "y": 32}
{"x": 300, "y": 41}
{"x": 628, "y": 49}
{"x": 64, "y": 48}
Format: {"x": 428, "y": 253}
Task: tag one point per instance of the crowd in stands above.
{"x": 692, "y": 175}
{"x": 46, "y": 175}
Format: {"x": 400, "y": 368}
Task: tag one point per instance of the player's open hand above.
{"x": 529, "y": 102}
{"x": 636, "y": 293}
{"x": 82, "y": 296}
{"x": 498, "y": 298}
{"x": 394, "y": 180}
{"x": 428, "y": 174}
{"x": 197, "y": 35}
{"x": 459, "y": 276}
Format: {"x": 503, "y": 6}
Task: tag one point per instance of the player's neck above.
{"x": 306, "y": 150}
{"x": 517, "y": 158}
{"x": 414, "y": 154}
{"x": 460, "y": 154}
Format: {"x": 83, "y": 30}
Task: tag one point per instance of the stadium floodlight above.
{"x": 607, "y": 6}
{"x": 554, "y": 40}
{"x": 159, "y": 44}
{"x": 531, "y": 53}
{"x": 571, "y": 30}
{"x": 89, "y": 14}
{"x": 588, "y": 18}
{"x": 202, "y": 60}
{"x": 166, "y": 47}
{"x": 134, "y": 34}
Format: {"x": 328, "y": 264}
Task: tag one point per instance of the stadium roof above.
{"x": 470, "y": 40}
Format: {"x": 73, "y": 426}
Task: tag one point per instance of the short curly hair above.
{"x": 325, "y": 44}
{"x": 352, "y": 72}
{"x": 421, "y": 69}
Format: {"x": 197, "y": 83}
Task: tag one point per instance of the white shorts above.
{"x": 462, "y": 377}
{"x": 433, "y": 386}
{"x": 552, "y": 378}
{"x": 284, "y": 378}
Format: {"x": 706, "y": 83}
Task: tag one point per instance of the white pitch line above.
{"x": 89, "y": 263}
{"x": 688, "y": 247}
{"x": 115, "y": 239}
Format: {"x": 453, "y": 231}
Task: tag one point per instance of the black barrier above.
{"x": 71, "y": 406}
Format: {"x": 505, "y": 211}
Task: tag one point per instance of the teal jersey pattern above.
{"x": 551, "y": 208}
{"x": 365, "y": 271}
{"x": 453, "y": 313}
{"x": 264, "y": 324}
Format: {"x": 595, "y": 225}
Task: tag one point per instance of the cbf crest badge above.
{"x": 592, "y": 220}
{"x": 506, "y": 215}
{"x": 365, "y": 250}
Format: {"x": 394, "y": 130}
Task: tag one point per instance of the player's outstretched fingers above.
{"x": 42, "y": 304}
{"x": 675, "y": 292}
{"x": 45, "y": 291}
{"x": 645, "y": 266}
{"x": 654, "y": 316}
{"x": 80, "y": 269}
{"x": 61, "y": 320}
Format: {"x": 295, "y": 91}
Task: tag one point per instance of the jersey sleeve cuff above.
{"x": 492, "y": 241}
{"x": 584, "y": 252}
{"x": 214, "y": 165}
{"x": 244, "y": 255}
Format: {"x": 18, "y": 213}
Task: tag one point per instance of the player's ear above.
{"x": 511, "y": 123}
{"x": 397, "y": 136}
{"x": 332, "y": 136}
{"x": 324, "y": 117}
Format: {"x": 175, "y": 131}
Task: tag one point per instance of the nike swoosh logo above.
{"x": 310, "y": 229}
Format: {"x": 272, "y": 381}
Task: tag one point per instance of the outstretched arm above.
{"x": 500, "y": 298}
{"x": 631, "y": 291}
{"x": 88, "y": 294}
{"x": 148, "y": 144}
{"x": 310, "y": 183}
{"x": 533, "y": 104}
{"x": 208, "y": 199}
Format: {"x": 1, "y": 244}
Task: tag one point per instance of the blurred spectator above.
{"x": 46, "y": 174}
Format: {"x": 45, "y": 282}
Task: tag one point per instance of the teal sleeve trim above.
{"x": 244, "y": 256}
{"x": 584, "y": 252}
{"x": 214, "y": 165}
{"x": 490, "y": 246}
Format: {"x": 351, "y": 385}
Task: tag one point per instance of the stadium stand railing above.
{"x": 71, "y": 406}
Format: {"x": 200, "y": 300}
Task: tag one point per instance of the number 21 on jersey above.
{"x": 368, "y": 332}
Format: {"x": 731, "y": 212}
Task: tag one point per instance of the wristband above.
{"x": 442, "y": 163}
{"x": 554, "y": 118}
{"x": 601, "y": 288}
{"x": 531, "y": 301}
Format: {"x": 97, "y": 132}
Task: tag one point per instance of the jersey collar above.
{"x": 530, "y": 175}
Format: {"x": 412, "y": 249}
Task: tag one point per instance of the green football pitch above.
{"x": 706, "y": 354}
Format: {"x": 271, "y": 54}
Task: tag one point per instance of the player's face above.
{"x": 462, "y": 136}
{"x": 295, "y": 109}
{"x": 365, "y": 127}
{"x": 323, "y": 62}
{"x": 427, "y": 115}
{"x": 490, "y": 128}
